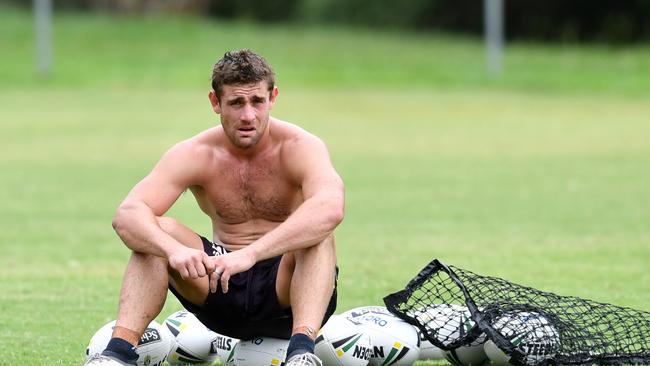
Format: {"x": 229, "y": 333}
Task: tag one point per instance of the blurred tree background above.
{"x": 610, "y": 21}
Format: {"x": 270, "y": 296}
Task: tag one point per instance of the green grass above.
{"x": 540, "y": 178}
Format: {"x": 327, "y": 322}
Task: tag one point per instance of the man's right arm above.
{"x": 136, "y": 219}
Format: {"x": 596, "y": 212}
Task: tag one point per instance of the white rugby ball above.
{"x": 341, "y": 342}
{"x": 194, "y": 342}
{"x": 152, "y": 349}
{"x": 225, "y": 347}
{"x": 451, "y": 323}
{"x": 395, "y": 342}
{"x": 260, "y": 351}
{"x": 470, "y": 355}
{"x": 428, "y": 351}
{"x": 530, "y": 332}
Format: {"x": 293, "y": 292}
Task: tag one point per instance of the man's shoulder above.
{"x": 303, "y": 154}
{"x": 302, "y": 151}
{"x": 203, "y": 144}
{"x": 294, "y": 136}
{"x": 209, "y": 137}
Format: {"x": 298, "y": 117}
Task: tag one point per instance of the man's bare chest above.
{"x": 238, "y": 193}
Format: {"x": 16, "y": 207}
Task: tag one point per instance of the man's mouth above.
{"x": 246, "y": 131}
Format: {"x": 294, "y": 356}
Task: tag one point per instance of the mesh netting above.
{"x": 454, "y": 307}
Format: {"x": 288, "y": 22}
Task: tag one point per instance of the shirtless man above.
{"x": 274, "y": 199}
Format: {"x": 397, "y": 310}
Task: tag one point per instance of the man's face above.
{"x": 244, "y": 110}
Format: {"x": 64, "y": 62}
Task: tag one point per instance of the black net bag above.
{"x": 519, "y": 325}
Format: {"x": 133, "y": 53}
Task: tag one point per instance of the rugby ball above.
{"x": 394, "y": 341}
{"x": 152, "y": 349}
{"x": 194, "y": 342}
{"x": 451, "y": 323}
{"x": 225, "y": 347}
{"x": 531, "y": 332}
{"x": 340, "y": 342}
{"x": 260, "y": 351}
{"x": 427, "y": 350}
{"x": 469, "y": 355}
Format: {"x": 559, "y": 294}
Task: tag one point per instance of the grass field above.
{"x": 541, "y": 177}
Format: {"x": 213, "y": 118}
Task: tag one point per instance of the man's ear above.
{"x": 273, "y": 95}
{"x": 214, "y": 100}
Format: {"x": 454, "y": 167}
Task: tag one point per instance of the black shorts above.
{"x": 250, "y": 308}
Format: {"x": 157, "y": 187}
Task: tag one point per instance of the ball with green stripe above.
{"x": 341, "y": 342}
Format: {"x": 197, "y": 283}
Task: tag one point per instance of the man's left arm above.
{"x": 307, "y": 161}
{"x": 322, "y": 209}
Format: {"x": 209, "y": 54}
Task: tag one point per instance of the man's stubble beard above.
{"x": 253, "y": 140}
{"x": 245, "y": 143}
{"x": 248, "y": 145}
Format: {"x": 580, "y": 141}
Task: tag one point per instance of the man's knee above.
{"x": 326, "y": 249}
{"x": 180, "y": 232}
{"x": 148, "y": 260}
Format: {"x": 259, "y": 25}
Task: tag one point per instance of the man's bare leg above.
{"x": 310, "y": 285}
{"x": 145, "y": 285}
{"x": 143, "y": 294}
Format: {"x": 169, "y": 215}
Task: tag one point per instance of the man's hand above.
{"x": 191, "y": 263}
{"x": 229, "y": 264}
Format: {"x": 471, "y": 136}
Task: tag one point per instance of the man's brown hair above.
{"x": 241, "y": 67}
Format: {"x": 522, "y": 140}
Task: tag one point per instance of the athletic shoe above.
{"x": 304, "y": 359}
{"x": 101, "y": 360}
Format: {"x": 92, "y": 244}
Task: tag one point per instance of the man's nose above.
{"x": 248, "y": 114}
